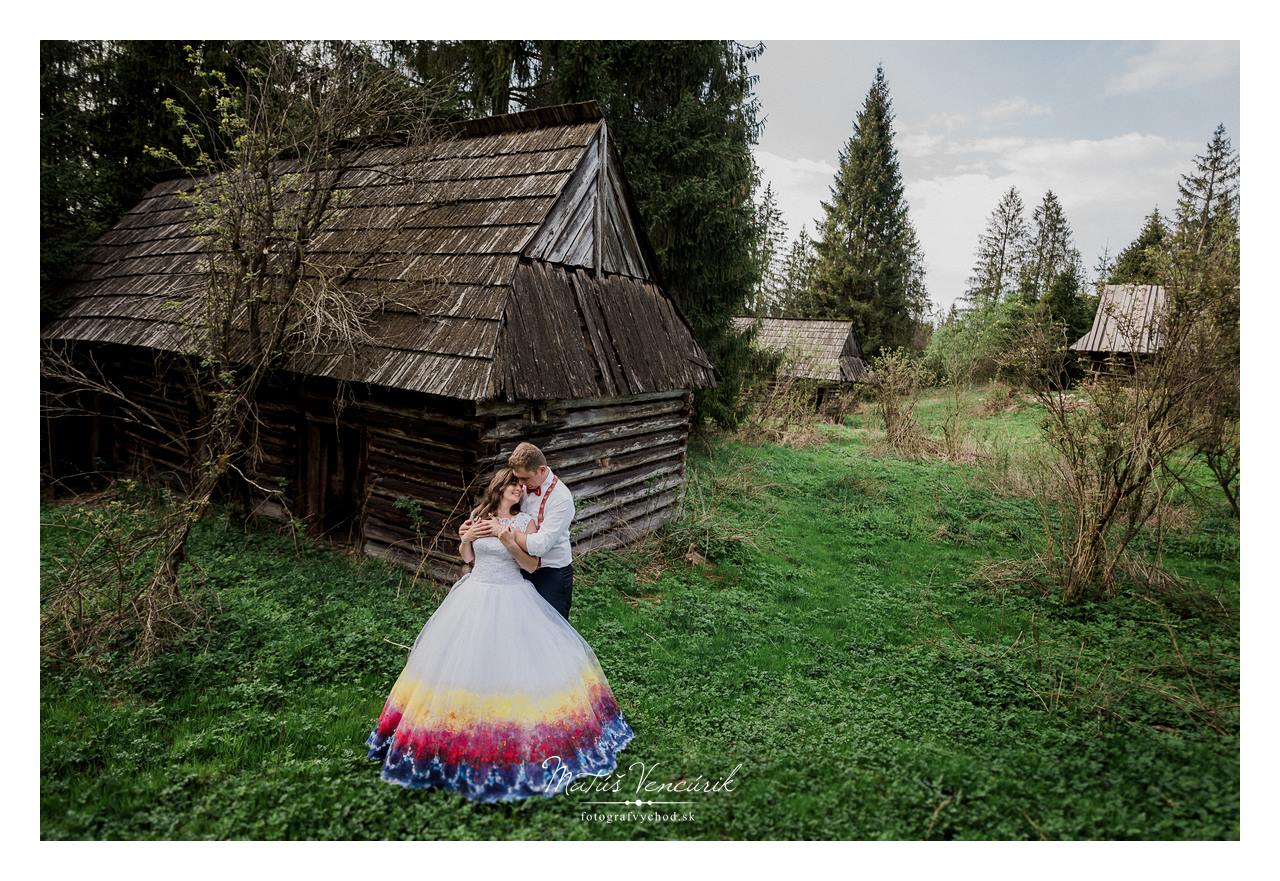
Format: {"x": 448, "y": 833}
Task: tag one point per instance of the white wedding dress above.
{"x": 500, "y": 698}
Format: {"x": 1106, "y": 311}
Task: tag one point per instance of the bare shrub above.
{"x": 781, "y": 403}
{"x": 999, "y": 398}
{"x": 895, "y": 382}
{"x": 97, "y": 597}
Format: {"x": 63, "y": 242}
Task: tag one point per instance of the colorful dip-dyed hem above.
{"x": 492, "y": 781}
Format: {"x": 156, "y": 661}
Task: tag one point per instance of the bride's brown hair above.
{"x": 492, "y": 502}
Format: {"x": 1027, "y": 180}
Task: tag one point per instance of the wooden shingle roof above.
{"x": 812, "y": 348}
{"x": 1128, "y": 320}
{"x": 457, "y": 219}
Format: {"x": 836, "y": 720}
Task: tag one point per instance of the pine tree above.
{"x": 1139, "y": 263}
{"x": 771, "y": 237}
{"x": 1066, "y": 302}
{"x": 1050, "y": 251}
{"x": 869, "y": 268}
{"x": 482, "y": 77}
{"x": 796, "y": 294}
{"x": 1211, "y": 191}
{"x": 1103, "y": 269}
{"x": 1002, "y": 248}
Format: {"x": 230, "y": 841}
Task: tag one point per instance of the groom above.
{"x": 549, "y": 502}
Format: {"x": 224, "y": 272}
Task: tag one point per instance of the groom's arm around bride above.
{"x": 550, "y": 503}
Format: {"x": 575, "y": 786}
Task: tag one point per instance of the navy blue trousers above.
{"x": 555, "y": 586}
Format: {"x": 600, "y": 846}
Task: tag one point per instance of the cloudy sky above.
{"x": 1108, "y": 126}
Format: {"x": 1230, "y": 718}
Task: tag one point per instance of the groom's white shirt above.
{"x": 551, "y": 541}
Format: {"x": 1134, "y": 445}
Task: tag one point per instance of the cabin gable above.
{"x": 592, "y": 224}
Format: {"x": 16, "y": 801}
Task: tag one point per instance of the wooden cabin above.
{"x": 1126, "y": 325}
{"x": 822, "y": 353}
{"x": 550, "y": 325}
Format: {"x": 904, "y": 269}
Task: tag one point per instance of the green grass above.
{"x": 841, "y": 651}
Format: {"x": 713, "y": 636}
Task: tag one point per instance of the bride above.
{"x": 501, "y": 698}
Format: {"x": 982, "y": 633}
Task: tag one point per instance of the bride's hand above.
{"x": 484, "y": 528}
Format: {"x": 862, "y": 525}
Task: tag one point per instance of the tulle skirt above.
{"x": 500, "y": 699}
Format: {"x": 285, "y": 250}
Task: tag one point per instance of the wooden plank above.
{"x": 585, "y": 418}
{"x": 566, "y": 206}
{"x": 584, "y": 248}
{"x": 602, "y": 141}
{"x": 626, "y": 218}
{"x": 594, "y": 452}
{"x": 382, "y": 505}
{"x": 590, "y": 468}
{"x": 621, "y": 401}
{"x": 578, "y": 233}
{"x": 611, "y": 516}
{"x": 630, "y": 531}
{"x": 651, "y": 473}
{"x": 596, "y": 345}
{"x": 629, "y": 496}
{"x": 597, "y": 434}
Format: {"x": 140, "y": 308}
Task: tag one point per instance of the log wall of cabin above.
{"x": 423, "y": 451}
{"x": 623, "y": 458}
{"x": 414, "y": 453}
{"x": 155, "y": 438}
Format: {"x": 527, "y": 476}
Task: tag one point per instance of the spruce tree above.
{"x": 1002, "y": 248}
{"x": 102, "y": 103}
{"x": 1067, "y": 304}
{"x": 1140, "y": 263}
{"x": 1211, "y": 191}
{"x": 795, "y": 298}
{"x": 1050, "y": 251}
{"x": 869, "y": 268}
{"x": 770, "y": 239}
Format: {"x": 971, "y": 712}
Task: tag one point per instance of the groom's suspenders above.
{"x": 546, "y": 495}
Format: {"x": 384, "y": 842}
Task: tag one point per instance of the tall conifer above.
{"x": 1002, "y": 248}
{"x": 1050, "y": 251}
{"x": 1139, "y": 263}
{"x": 1209, "y": 192}
{"x": 869, "y": 267}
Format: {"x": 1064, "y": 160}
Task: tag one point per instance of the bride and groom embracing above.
{"x": 501, "y": 698}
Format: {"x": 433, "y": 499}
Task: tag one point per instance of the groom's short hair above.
{"x": 526, "y": 457}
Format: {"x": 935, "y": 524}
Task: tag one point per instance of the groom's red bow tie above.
{"x": 536, "y": 491}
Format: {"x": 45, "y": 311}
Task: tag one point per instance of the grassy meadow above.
{"x": 828, "y": 634}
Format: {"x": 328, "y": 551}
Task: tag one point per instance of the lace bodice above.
{"x": 493, "y": 561}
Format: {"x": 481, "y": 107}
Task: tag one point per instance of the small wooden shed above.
{"x": 551, "y": 327}
{"x": 823, "y": 353}
{"x": 1127, "y": 322}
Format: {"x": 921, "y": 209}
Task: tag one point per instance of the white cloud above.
{"x": 800, "y": 185}
{"x": 920, "y": 144}
{"x": 1014, "y": 108}
{"x": 1176, "y": 64}
{"x": 1002, "y": 112}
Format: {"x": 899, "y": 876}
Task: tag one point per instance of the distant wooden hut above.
{"x": 823, "y": 353}
{"x": 551, "y": 327}
{"x": 1127, "y": 323}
